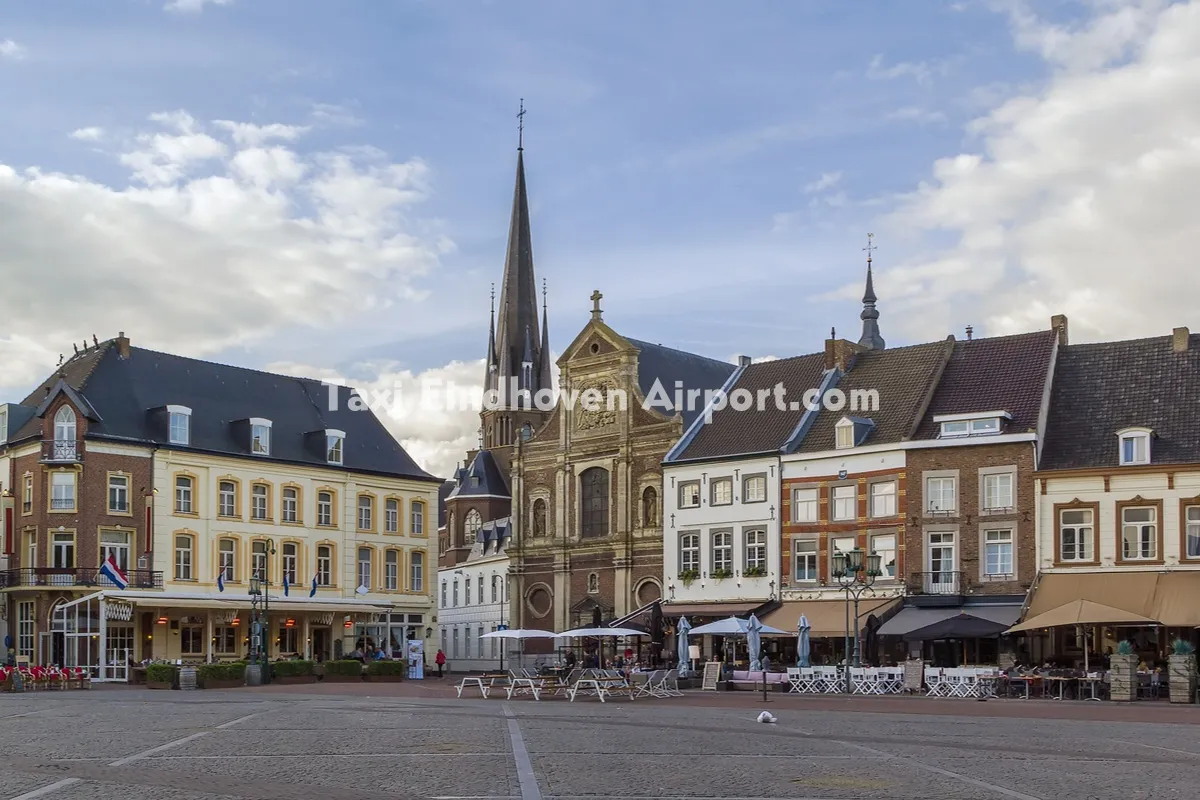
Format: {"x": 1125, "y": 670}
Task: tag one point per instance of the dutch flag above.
{"x": 110, "y": 570}
{"x": 313, "y": 591}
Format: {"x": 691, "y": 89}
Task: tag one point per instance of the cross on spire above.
{"x": 596, "y": 297}
{"x": 870, "y": 247}
{"x": 521, "y": 126}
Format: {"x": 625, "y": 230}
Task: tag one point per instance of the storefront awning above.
{"x": 827, "y": 618}
{"x": 278, "y": 605}
{"x": 1170, "y": 598}
{"x": 1082, "y": 612}
{"x": 911, "y": 619}
{"x": 735, "y": 609}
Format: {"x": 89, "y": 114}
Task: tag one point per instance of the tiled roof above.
{"x": 733, "y": 432}
{"x": 481, "y": 478}
{"x": 123, "y": 392}
{"x": 903, "y": 376}
{"x": 1002, "y": 373}
{"x": 669, "y": 366}
{"x": 1101, "y": 388}
{"x": 443, "y": 492}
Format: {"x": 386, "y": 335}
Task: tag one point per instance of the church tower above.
{"x": 871, "y": 338}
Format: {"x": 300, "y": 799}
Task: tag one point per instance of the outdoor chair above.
{"x": 650, "y": 686}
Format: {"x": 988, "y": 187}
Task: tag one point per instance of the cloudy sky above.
{"x": 323, "y": 188}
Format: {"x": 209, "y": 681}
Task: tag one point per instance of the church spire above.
{"x": 871, "y": 338}
{"x": 491, "y": 366}
{"x": 544, "y": 351}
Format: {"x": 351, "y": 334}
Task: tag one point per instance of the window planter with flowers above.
{"x": 721, "y": 574}
{"x": 688, "y": 576}
{"x": 755, "y": 572}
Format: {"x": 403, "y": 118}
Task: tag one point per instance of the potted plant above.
{"x": 688, "y": 576}
{"x": 229, "y": 675}
{"x": 1123, "y": 673}
{"x": 289, "y": 672}
{"x": 162, "y": 676}
{"x": 387, "y": 671}
{"x": 1181, "y": 680}
{"x": 755, "y": 572}
{"x": 343, "y": 671}
{"x": 721, "y": 574}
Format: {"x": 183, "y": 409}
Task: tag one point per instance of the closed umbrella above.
{"x": 803, "y": 645}
{"x": 754, "y": 643}
{"x": 681, "y": 643}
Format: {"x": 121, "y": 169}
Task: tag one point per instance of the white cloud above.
{"x": 920, "y": 71}
{"x": 88, "y": 134}
{"x": 332, "y": 114}
{"x": 1079, "y": 197}
{"x": 920, "y": 116}
{"x": 10, "y": 49}
{"x": 246, "y": 134}
{"x": 193, "y": 6}
{"x": 211, "y": 245}
{"x": 826, "y": 181}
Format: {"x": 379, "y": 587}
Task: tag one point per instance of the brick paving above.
{"x": 416, "y": 740}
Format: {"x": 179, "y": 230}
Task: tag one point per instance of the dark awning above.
{"x": 960, "y": 626}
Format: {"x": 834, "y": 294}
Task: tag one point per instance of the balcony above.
{"x": 61, "y": 451}
{"x": 54, "y": 577}
{"x": 937, "y": 587}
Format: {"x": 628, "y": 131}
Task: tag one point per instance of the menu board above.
{"x": 712, "y": 674}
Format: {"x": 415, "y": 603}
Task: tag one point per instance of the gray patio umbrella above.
{"x": 803, "y": 645}
{"x": 681, "y": 642}
{"x": 754, "y": 643}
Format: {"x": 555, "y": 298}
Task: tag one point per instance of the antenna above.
{"x": 521, "y": 126}
{"x": 543, "y": 294}
{"x": 493, "y": 297}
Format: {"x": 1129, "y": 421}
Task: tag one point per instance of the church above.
{"x": 570, "y": 489}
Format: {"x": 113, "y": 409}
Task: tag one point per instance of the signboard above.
{"x": 712, "y": 674}
{"x": 416, "y": 659}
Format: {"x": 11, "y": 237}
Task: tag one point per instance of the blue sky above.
{"x": 712, "y": 167}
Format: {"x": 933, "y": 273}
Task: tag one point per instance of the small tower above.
{"x": 871, "y": 338}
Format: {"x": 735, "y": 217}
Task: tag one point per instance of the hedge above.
{"x": 290, "y": 669}
{"x": 232, "y": 671}
{"x": 343, "y": 668}
{"x": 161, "y": 673}
{"x": 387, "y": 668}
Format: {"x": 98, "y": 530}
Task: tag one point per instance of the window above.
{"x": 31, "y": 547}
{"x": 64, "y": 432}
{"x": 324, "y": 565}
{"x": 722, "y": 553}
{"x": 334, "y": 446}
{"x": 62, "y": 491}
{"x": 844, "y": 434}
{"x": 291, "y": 504}
{"x": 981, "y": 426}
{"x": 442, "y": 604}
{"x": 756, "y": 553}
{"x": 883, "y": 499}
{"x": 63, "y": 551}
{"x": 689, "y": 553}
{"x": 226, "y": 639}
{"x": 844, "y": 501}
{"x": 227, "y": 558}
{"x": 118, "y": 494}
{"x": 259, "y": 501}
{"x": 258, "y": 559}
{"x": 649, "y": 507}
{"x": 291, "y": 562}
{"x": 594, "y": 496}
{"x": 495, "y": 588}
{"x": 526, "y": 431}
{"x": 1191, "y": 517}
{"x": 260, "y": 437}
{"x": 391, "y": 571}
{"x": 942, "y": 563}
{"x": 115, "y": 544}
{"x": 418, "y": 518}
{"x": 183, "y": 558}
{"x": 998, "y": 492}
{"x": 191, "y": 640}
{"x": 25, "y": 629}
{"x": 454, "y": 652}
{"x": 722, "y": 492}
{"x": 391, "y": 516}
{"x": 998, "y": 554}
{"x": 289, "y": 640}
{"x": 180, "y": 425}
{"x": 985, "y": 426}
{"x": 3, "y": 424}
{"x": 689, "y": 494}
{"x": 183, "y": 495}
{"x": 956, "y": 428}
{"x": 480, "y": 585}
{"x": 456, "y": 593}
{"x": 226, "y": 499}
{"x": 884, "y": 544}
{"x": 841, "y": 544}
{"x": 1139, "y": 533}
{"x": 325, "y": 508}
{"x": 754, "y": 489}
{"x": 940, "y": 496}
{"x": 593, "y": 584}
{"x": 473, "y": 523}
{"x": 805, "y": 551}
{"x": 804, "y": 505}
{"x": 366, "y": 512}
{"x": 416, "y": 568}
{"x": 466, "y": 591}
{"x": 1135, "y": 446}
{"x": 27, "y": 495}
{"x": 364, "y": 567}
{"x": 1075, "y": 535}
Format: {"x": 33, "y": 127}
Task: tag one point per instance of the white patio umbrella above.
{"x": 734, "y": 626}
{"x": 599, "y": 632}
{"x": 519, "y": 633}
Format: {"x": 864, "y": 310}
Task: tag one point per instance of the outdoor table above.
{"x": 1092, "y": 681}
{"x": 478, "y": 682}
{"x": 1062, "y": 682}
{"x": 602, "y": 685}
{"x": 1025, "y": 679}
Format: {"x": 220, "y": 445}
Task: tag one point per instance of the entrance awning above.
{"x": 735, "y": 609}
{"x": 827, "y": 618}
{"x": 910, "y": 619}
{"x": 1082, "y": 612}
{"x": 281, "y": 605}
{"x": 1170, "y": 598}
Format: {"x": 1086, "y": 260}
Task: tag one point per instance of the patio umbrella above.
{"x": 612, "y": 633}
{"x": 960, "y": 626}
{"x": 734, "y": 626}
{"x": 754, "y": 643}
{"x": 681, "y": 643}
{"x": 803, "y": 645}
{"x": 1082, "y": 612}
{"x": 518, "y": 633}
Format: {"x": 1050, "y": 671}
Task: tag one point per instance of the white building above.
{"x": 473, "y": 600}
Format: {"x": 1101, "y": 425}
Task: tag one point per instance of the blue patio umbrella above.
{"x": 681, "y": 642}
{"x": 803, "y": 645}
{"x": 754, "y": 643}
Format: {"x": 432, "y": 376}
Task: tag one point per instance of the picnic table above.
{"x": 484, "y": 683}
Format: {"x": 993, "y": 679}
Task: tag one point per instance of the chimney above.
{"x": 970, "y": 332}
{"x": 122, "y": 345}
{"x": 1059, "y": 323}
{"x": 743, "y": 361}
{"x": 840, "y": 353}
{"x": 1180, "y": 339}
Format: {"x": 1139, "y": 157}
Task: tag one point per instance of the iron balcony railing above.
{"x": 61, "y": 451}
{"x": 937, "y": 582}
{"x": 76, "y": 576}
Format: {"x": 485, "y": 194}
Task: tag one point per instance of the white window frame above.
{"x": 366, "y": 512}
{"x": 391, "y": 570}
{"x": 227, "y": 558}
{"x": 987, "y": 423}
{"x": 181, "y": 433}
{"x": 722, "y": 551}
{"x": 1191, "y": 532}
{"x": 62, "y": 550}
{"x": 844, "y": 434}
{"x": 749, "y": 496}
{"x": 689, "y": 551}
{"x": 325, "y": 509}
{"x": 940, "y": 508}
{"x": 118, "y": 546}
{"x": 1079, "y": 529}
{"x": 335, "y": 446}
{"x": 258, "y": 559}
{"x": 364, "y": 566}
{"x": 1139, "y": 439}
{"x": 229, "y": 510}
{"x": 883, "y": 561}
{"x": 416, "y": 570}
{"x": 686, "y": 490}
{"x": 64, "y": 490}
{"x": 185, "y": 558}
{"x": 289, "y": 509}
{"x": 723, "y": 486}
{"x": 118, "y": 494}
{"x": 812, "y": 555}
{"x": 837, "y": 504}
{"x": 260, "y": 502}
{"x": 391, "y": 515}
{"x": 1141, "y": 528}
{"x": 807, "y": 499}
{"x": 755, "y": 549}
{"x": 834, "y": 548}
{"x": 290, "y": 562}
{"x": 988, "y": 500}
{"x": 889, "y": 498}
{"x": 417, "y": 513}
{"x": 185, "y": 494}
{"x": 260, "y": 436}
{"x": 995, "y": 540}
{"x": 324, "y": 565}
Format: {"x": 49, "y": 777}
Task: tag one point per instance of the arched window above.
{"x": 526, "y": 431}
{"x": 539, "y": 518}
{"x": 64, "y": 427}
{"x": 473, "y": 522}
{"x": 594, "y": 508}
{"x": 649, "y": 507}
{"x": 593, "y": 584}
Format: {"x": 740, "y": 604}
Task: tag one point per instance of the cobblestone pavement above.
{"x": 322, "y": 743}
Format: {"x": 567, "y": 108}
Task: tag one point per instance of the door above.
{"x": 58, "y": 646}
{"x": 942, "y": 577}
{"x": 320, "y": 637}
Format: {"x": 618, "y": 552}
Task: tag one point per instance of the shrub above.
{"x": 755, "y": 572}
{"x": 1125, "y": 648}
{"x": 1182, "y": 647}
{"x": 231, "y": 671}
{"x": 387, "y": 668}
{"x": 291, "y": 669}
{"x": 343, "y": 668}
{"x": 688, "y": 576}
{"x": 721, "y": 574}
{"x": 161, "y": 673}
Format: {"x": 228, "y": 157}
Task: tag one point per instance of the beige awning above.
{"x": 826, "y": 618}
{"x": 276, "y": 606}
{"x": 1162, "y": 598}
{"x": 1082, "y": 612}
{"x": 731, "y": 609}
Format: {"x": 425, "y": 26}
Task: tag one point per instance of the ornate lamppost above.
{"x": 260, "y": 610}
{"x": 856, "y": 573}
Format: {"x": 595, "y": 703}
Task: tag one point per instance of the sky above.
{"x": 323, "y": 189}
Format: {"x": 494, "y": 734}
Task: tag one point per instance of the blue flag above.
{"x": 285, "y": 584}
{"x": 313, "y": 592}
{"x": 221, "y": 581}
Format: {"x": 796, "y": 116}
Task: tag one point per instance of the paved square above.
{"x": 326, "y": 742}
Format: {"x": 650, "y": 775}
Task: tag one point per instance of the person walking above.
{"x": 440, "y": 660}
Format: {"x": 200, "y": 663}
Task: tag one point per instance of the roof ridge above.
{"x": 253, "y": 370}
{"x": 636, "y": 342}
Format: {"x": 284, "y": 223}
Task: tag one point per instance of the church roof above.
{"x": 444, "y": 492}
{"x": 481, "y": 478}
{"x": 668, "y": 367}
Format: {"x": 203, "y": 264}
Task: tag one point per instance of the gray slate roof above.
{"x": 125, "y": 393}
{"x": 480, "y": 478}
{"x": 1101, "y": 388}
{"x": 667, "y": 366}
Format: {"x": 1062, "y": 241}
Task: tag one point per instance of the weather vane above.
{"x": 870, "y": 246}
{"x": 521, "y": 126}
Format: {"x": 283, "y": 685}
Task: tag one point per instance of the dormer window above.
{"x": 852, "y": 431}
{"x": 334, "y": 442}
{"x": 985, "y": 424}
{"x": 260, "y": 436}
{"x": 1135, "y": 446}
{"x": 179, "y": 430}
{"x": 845, "y": 434}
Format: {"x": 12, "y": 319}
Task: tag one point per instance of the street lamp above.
{"x": 260, "y": 614}
{"x": 856, "y": 573}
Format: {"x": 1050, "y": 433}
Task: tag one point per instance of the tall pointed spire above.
{"x": 544, "y": 351}
{"x": 491, "y": 365}
{"x": 871, "y": 338}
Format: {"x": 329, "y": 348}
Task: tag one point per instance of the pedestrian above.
{"x": 440, "y": 660}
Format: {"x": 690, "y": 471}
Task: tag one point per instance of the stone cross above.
{"x": 596, "y": 304}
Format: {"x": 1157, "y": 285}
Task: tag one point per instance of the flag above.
{"x": 285, "y": 584}
{"x": 221, "y": 581}
{"x": 110, "y": 570}
{"x": 313, "y": 591}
